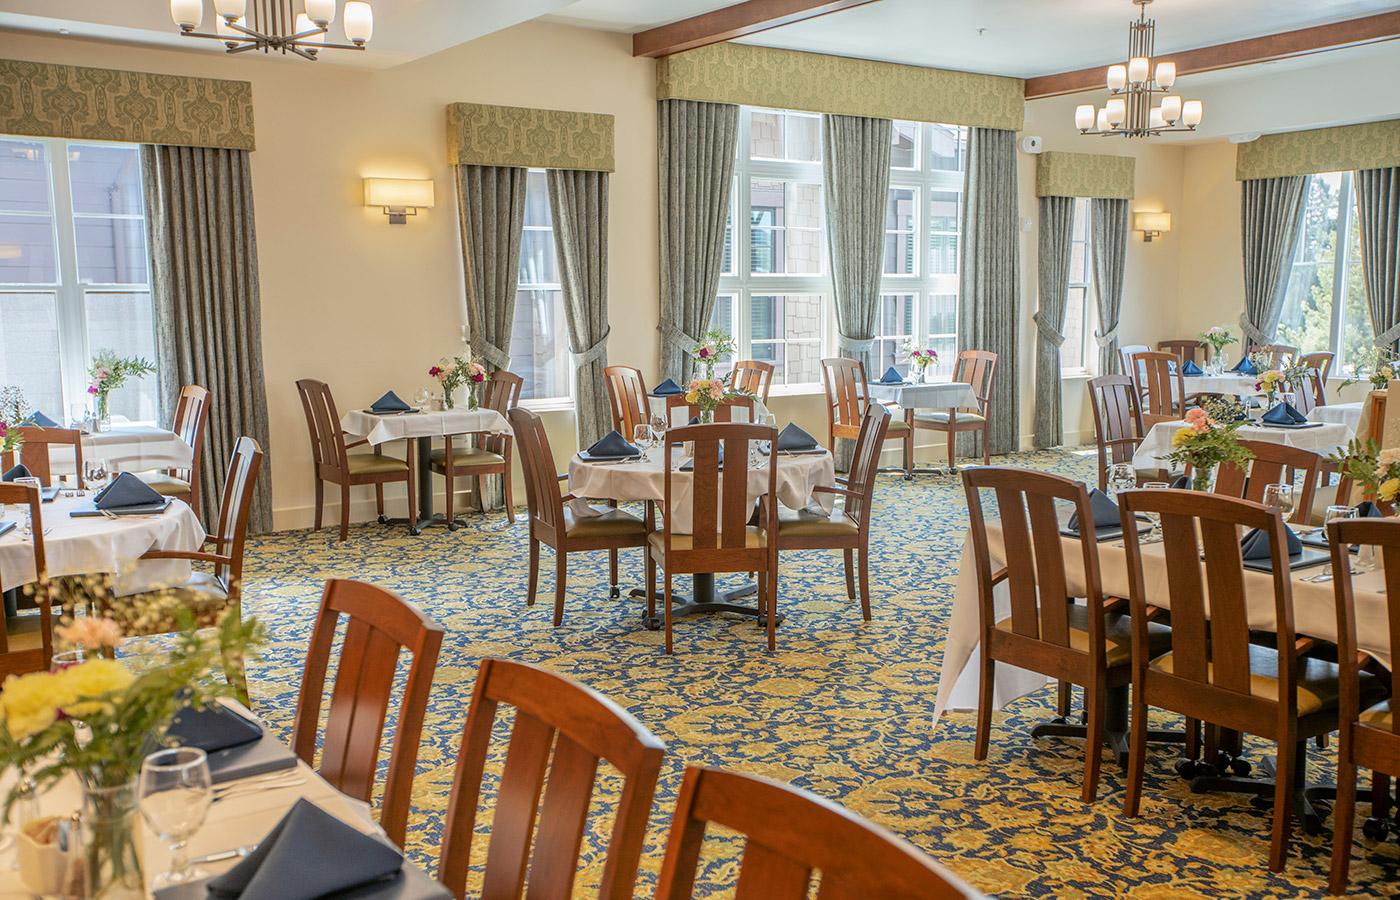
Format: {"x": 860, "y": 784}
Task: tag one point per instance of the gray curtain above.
{"x": 695, "y": 161}
{"x": 208, "y": 311}
{"x": 856, "y": 188}
{"x": 491, "y": 216}
{"x": 989, "y": 267}
{"x": 1108, "y": 246}
{"x": 1271, "y": 216}
{"x": 1378, "y": 208}
{"x": 578, "y": 203}
{"x": 1052, "y": 259}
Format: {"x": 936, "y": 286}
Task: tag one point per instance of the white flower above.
{"x": 1388, "y": 457}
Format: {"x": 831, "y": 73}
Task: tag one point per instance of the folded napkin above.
{"x": 1191, "y": 368}
{"x": 612, "y": 446}
{"x": 694, "y": 420}
{"x": 1255, "y": 544}
{"x": 1104, "y": 510}
{"x": 308, "y": 854}
{"x": 794, "y": 438}
{"x": 127, "y": 490}
{"x": 1368, "y": 510}
{"x": 38, "y": 419}
{"x": 390, "y": 402}
{"x": 1182, "y": 483}
{"x": 667, "y": 388}
{"x": 891, "y": 376}
{"x": 689, "y": 465}
{"x": 1246, "y": 366}
{"x": 1283, "y": 414}
{"x": 19, "y": 471}
{"x": 215, "y": 727}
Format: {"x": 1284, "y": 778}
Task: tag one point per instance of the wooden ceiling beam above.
{"x": 1288, "y": 44}
{"x": 732, "y": 22}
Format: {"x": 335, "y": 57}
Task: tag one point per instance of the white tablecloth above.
{"x": 91, "y": 545}
{"x": 126, "y": 448}
{"x": 1348, "y": 414}
{"x": 945, "y": 395}
{"x": 646, "y": 480}
{"x": 1153, "y": 450}
{"x": 358, "y": 423}
{"x": 1235, "y": 385}
{"x": 1313, "y": 612}
{"x": 680, "y": 415}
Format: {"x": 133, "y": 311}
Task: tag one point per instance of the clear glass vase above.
{"x": 1204, "y": 479}
{"x": 103, "y": 419}
{"x": 111, "y": 837}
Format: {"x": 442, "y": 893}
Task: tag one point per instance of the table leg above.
{"x": 1306, "y": 797}
{"x": 705, "y": 600}
{"x": 1115, "y": 726}
{"x": 423, "y": 448}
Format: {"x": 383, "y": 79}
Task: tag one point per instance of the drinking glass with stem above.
{"x": 95, "y": 473}
{"x": 175, "y": 794}
{"x": 1333, "y": 514}
{"x": 1154, "y": 535}
{"x": 1279, "y": 497}
{"x": 642, "y": 436}
{"x": 658, "y": 428}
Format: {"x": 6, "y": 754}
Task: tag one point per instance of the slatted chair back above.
{"x": 753, "y": 377}
{"x": 562, "y": 730}
{"x": 1161, "y": 387}
{"x": 34, "y": 452}
{"x": 791, "y": 834}
{"x": 502, "y": 394}
{"x": 723, "y": 413}
{"x": 1117, "y": 424}
{"x": 1185, "y": 349}
{"x": 235, "y": 507}
{"x": 865, "y": 464}
{"x": 1374, "y": 414}
{"x": 1322, "y": 362}
{"x": 720, "y": 507}
{"x": 379, "y": 624}
{"x": 542, "y": 497}
{"x": 627, "y": 393}
{"x": 327, "y": 439}
{"x": 1273, "y": 464}
{"x": 1280, "y": 355}
{"x": 977, "y": 368}
{"x": 1308, "y": 392}
{"x": 191, "y": 417}
{"x": 1125, "y": 359}
{"x": 846, "y": 397}
{"x": 14, "y": 660}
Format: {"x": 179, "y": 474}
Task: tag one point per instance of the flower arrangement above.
{"x": 109, "y": 372}
{"x": 708, "y": 394}
{"x": 13, "y": 410}
{"x": 1219, "y": 337}
{"x": 920, "y": 357}
{"x": 714, "y": 347}
{"x": 455, "y": 372}
{"x": 1206, "y": 441}
{"x": 1378, "y": 367}
{"x": 1375, "y": 471}
{"x": 1269, "y": 381}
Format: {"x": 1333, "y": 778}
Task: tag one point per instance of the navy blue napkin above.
{"x": 689, "y": 465}
{"x": 794, "y": 438}
{"x": 891, "y": 376}
{"x": 1191, "y": 368}
{"x": 215, "y": 727}
{"x": 613, "y": 446}
{"x": 1368, "y": 510}
{"x": 126, "y": 490}
{"x": 1246, "y": 366}
{"x": 667, "y": 388}
{"x": 1255, "y": 544}
{"x": 1182, "y": 483}
{"x": 694, "y": 420}
{"x": 38, "y": 419}
{"x": 1104, "y": 510}
{"x": 308, "y": 854}
{"x": 19, "y": 471}
{"x": 390, "y": 402}
{"x": 1283, "y": 414}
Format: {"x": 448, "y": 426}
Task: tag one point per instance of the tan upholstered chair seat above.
{"x": 941, "y": 418}
{"x": 754, "y": 537}
{"x": 611, "y": 523}
{"x": 25, "y": 632}
{"x": 373, "y": 463}
{"x": 896, "y": 426}
{"x": 795, "y": 524}
{"x": 466, "y": 457}
{"x": 166, "y": 485}
{"x": 1118, "y": 635}
{"x": 1318, "y": 688}
{"x": 1379, "y": 716}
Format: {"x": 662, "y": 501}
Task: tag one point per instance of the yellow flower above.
{"x": 692, "y": 397}
{"x": 1182, "y": 436}
{"x": 1388, "y": 489}
{"x": 31, "y": 704}
{"x": 94, "y": 678}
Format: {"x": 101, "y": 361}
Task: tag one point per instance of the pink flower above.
{"x": 103, "y": 373}
{"x": 478, "y": 369}
{"x": 91, "y": 632}
{"x": 717, "y": 390}
{"x": 1201, "y": 426}
{"x": 437, "y": 372}
{"x": 92, "y": 389}
{"x": 1195, "y": 414}
{"x": 704, "y": 353}
{"x": 694, "y": 385}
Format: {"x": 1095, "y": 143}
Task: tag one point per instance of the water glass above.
{"x": 1121, "y": 477}
{"x": 658, "y": 428}
{"x": 1279, "y": 497}
{"x": 95, "y": 473}
{"x": 1333, "y": 514}
{"x": 65, "y": 658}
{"x": 1155, "y": 534}
{"x": 26, "y": 527}
{"x": 176, "y": 792}
{"x": 642, "y": 437}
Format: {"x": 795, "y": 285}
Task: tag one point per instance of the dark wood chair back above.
{"x": 1322, "y": 362}
{"x": 723, "y": 413}
{"x": 846, "y": 397}
{"x": 327, "y": 439}
{"x": 502, "y": 394}
{"x": 1117, "y": 424}
{"x": 977, "y": 368}
{"x": 1185, "y": 350}
{"x": 542, "y": 498}
{"x": 191, "y": 417}
{"x": 627, "y": 393}
{"x": 34, "y": 452}
{"x": 865, "y": 464}
{"x": 753, "y": 377}
{"x": 378, "y": 625}
{"x": 1126, "y": 352}
{"x": 1279, "y": 355}
{"x": 581, "y": 727}
{"x": 720, "y": 507}
{"x": 17, "y": 661}
{"x": 790, "y": 834}
{"x": 234, "y": 509}
{"x": 1161, "y": 387}
{"x": 1273, "y": 464}
{"x": 1374, "y": 414}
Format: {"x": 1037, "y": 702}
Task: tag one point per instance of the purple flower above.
{"x": 92, "y": 389}
{"x": 704, "y": 353}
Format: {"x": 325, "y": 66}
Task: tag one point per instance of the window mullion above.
{"x": 72, "y": 325}
{"x": 1340, "y": 263}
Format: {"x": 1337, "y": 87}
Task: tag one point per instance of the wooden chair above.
{"x": 210, "y": 595}
{"x": 1117, "y": 424}
{"x": 627, "y": 393}
{"x": 1309, "y": 392}
{"x": 723, "y": 413}
{"x": 379, "y": 624}
{"x": 34, "y": 452}
{"x": 1273, "y": 464}
{"x": 977, "y": 368}
{"x": 1084, "y": 645}
{"x": 789, "y": 833}
{"x": 1185, "y": 350}
{"x": 1212, "y": 672}
{"x": 1368, "y": 734}
{"x": 492, "y": 454}
{"x": 334, "y": 464}
{"x": 1161, "y": 387}
{"x": 752, "y": 376}
{"x": 554, "y": 524}
{"x": 582, "y": 727}
{"x": 1322, "y": 362}
{"x": 847, "y": 396}
{"x": 191, "y": 417}
{"x": 26, "y": 642}
{"x": 1126, "y": 352}
{"x": 848, "y": 527}
{"x": 1280, "y": 355}
{"x": 720, "y": 537}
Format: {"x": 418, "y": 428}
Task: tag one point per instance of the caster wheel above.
{"x": 415, "y": 531}
{"x": 908, "y": 477}
{"x": 1240, "y": 767}
{"x": 383, "y": 520}
{"x": 453, "y": 526}
{"x": 614, "y": 592}
{"x": 1374, "y": 828}
{"x": 1186, "y": 768}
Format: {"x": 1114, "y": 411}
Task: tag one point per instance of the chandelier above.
{"x": 271, "y": 25}
{"x": 1133, "y": 89}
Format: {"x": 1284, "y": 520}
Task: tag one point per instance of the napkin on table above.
{"x": 667, "y": 388}
{"x": 613, "y": 446}
{"x": 1191, "y": 368}
{"x": 127, "y": 490}
{"x": 891, "y": 376}
{"x": 1283, "y": 414}
{"x": 1104, "y": 510}
{"x": 1246, "y": 366}
{"x": 1255, "y": 544}
{"x": 215, "y": 727}
{"x": 19, "y": 471}
{"x": 37, "y": 419}
{"x": 390, "y": 402}
{"x": 1368, "y": 510}
{"x": 689, "y": 465}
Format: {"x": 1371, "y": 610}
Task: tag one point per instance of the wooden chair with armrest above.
{"x": 1309, "y": 393}
{"x": 191, "y": 417}
{"x": 582, "y": 728}
{"x": 1161, "y": 387}
{"x": 552, "y": 523}
{"x": 977, "y": 368}
{"x": 332, "y": 462}
{"x": 1273, "y": 464}
{"x": 1186, "y": 349}
{"x": 379, "y": 625}
{"x": 790, "y": 834}
{"x": 26, "y": 641}
{"x": 627, "y": 395}
{"x": 752, "y": 376}
{"x": 1117, "y": 426}
{"x": 490, "y": 456}
{"x": 1126, "y": 352}
{"x": 847, "y": 396}
{"x": 723, "y": 413}
{"x": 33, "y": 454}
{"x": 1322, "y": 361}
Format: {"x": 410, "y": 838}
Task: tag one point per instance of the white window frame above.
{"x": 1341, "y": 264}
{"x": 565, "y": 401}
{"x": 1082, "y": 207}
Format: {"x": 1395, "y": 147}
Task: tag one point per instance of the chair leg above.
{"x": 1290, "y": 754}
{"x": 1343, "y": 813}
{"x": 952, "y": 447}
{"x": 612, "y": 574}
{"x": 667, "y": 611}
{"x": 1193, "y": 738}
{"x": 1094, "y": 700}
{"x": 320, "y": 502}
{"x": 379, "y": 499}
{"x": 769, "y": 588}
{"x": 1137, "y": 753}
{"x": 850, "y": 574}
{"x": 510, "y": 500}
{"x": 449, "y": 505}
{"x": 561, "y": 577}
{"x": 534, "y": 571}
{"x": 865, "y": 582}
{"x": 909, "y": 445}
{"x": 345, "y": 512}
{"x": 984, "y": 706}
{"x": 986, "y": 448}
{"x": 651, "y": 584}
{"x": 1062, "y": 703}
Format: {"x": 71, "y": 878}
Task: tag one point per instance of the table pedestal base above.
{"x": 705, "y": 600}
{"x": 1115, "y": 727}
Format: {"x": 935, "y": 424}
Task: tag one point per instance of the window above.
{"x": 1077, "y": 301}
{"x": 539, "y": 339}
{"x": 1311, "y": 318}
{"x": 775, "y": 292}
{"x": 73, "y": 271}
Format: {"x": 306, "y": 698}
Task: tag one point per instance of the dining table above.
{"x": 1320, "y": 437}
{"x": 913, "y": 395}
{"x": 1348, "y": 414}
{"x": 422, "y": 426}
{"x": 126, "y": 447}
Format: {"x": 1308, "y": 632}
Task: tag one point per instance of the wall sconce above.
{"x": 1152, "y": 224}
{"x": 399, "y": 197}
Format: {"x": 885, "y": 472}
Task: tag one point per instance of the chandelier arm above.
{"x": 256, "y": 35}
{"x": 228, "y": 38}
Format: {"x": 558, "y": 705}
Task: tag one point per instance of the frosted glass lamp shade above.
{"x": 230, "y": 9}
{"x": 1166, "y": 75}
{"x": 399, "y": 193}
{"x": 1102, "y": 121}
{"x": 359, "y": 21}
{"x": 1117, "y": 77}
{"x": 188, "y": 14}
{"x": 1084, "y": 117}
{"x": 1159, "y": 222}
{"x": 221, "y": 27}
{"x": 1137, "y": 69}
{"x": 322, "y": 12}
{"x": 1171, "y": 108}
{"x": 1117, "y": 110}
{"x": 1154, "y": 118}
{"x": 304, "y": 25}
{"x": 1191, "y": 112}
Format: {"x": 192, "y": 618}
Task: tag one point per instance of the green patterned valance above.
{"x": 788, "y": 79}
{"x": 1373, "y": 145}
{"x": 480, "y": 135}
{"x": 44, "y": 100}
{"x": 1059, "y": 174}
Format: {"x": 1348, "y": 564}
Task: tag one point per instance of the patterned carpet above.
{"x": 842, "y": 708}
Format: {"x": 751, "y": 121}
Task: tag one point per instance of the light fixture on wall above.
{"x": 399, "y": 197}
{"x": 271, "y": 24}
{"x": 1133, "y": 88}
{"x": 1152, "y": 224}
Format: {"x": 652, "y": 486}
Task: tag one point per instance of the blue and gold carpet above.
{"x": 841, "y": 709}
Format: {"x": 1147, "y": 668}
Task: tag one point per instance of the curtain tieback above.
{"x": 854, "y": 345}
{"x": 1387, "y": 338}
{"x": 1106, "y": 338}
{"x": 675, "y": 335}
{"x": 1251, "y": 331}
{"x": 490, "y": 352}
{"x": 594, "y": 353}
{"x": 1049, "y": 332}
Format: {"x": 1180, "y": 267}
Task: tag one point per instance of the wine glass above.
{"x": 1155, "y": 533}
{"x": 1279, "y": 497}
{"x": 642, "y": 437}
{"x": 26, "y": 526}
{"x": 422, "y": 398}
{"x": 95, "y": 473}
{"x": 1333, "y": 514}
{"x": 1121, "y": 477}
{"x": 175, "y": 793}
{"x": 658, "y": 428}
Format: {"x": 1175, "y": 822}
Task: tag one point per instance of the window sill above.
{"x": 797, "y": 390}
{"x": 549, "y": 405}
{"x": 1076, "y": 373}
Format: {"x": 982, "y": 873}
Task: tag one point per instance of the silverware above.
{"x": 238, "y": 790}
{"x": 235, "y": 853}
